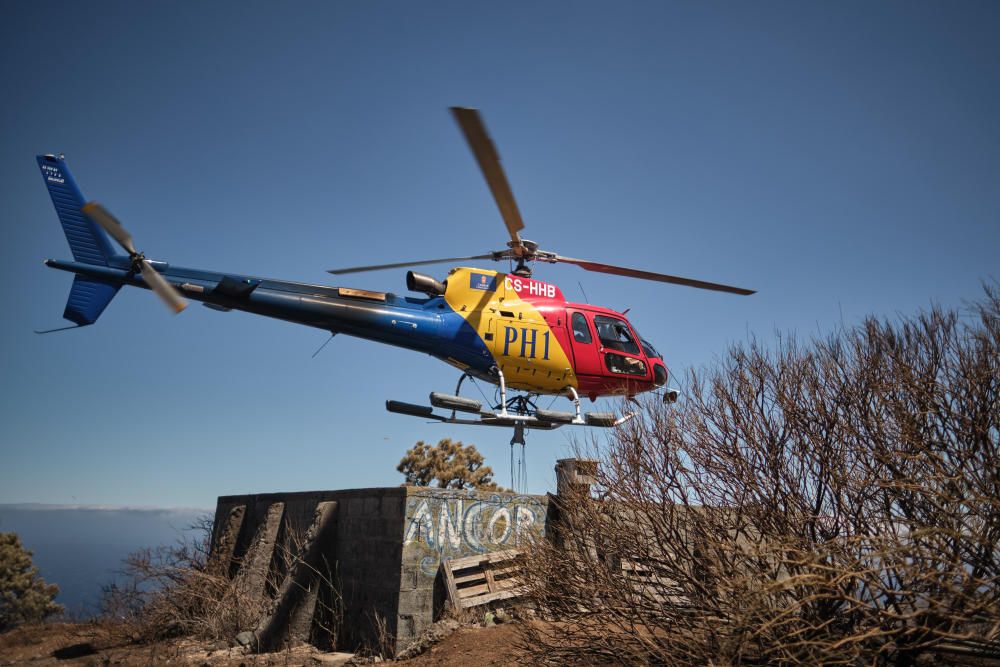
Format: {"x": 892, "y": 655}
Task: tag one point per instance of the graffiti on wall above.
{"x": 450, "y": 525}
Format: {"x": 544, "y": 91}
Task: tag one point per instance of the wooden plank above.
{"x": 479, "y": 559}
{"x": 500, "y": 595}
{"x": 449, "y": 582}
{"x": 646, "y": 580}
{"x": 501, "y": 573}
{"x": 466, "y": 578}
{"x": 484, "y": 577}
{"x": 472, "y": 591}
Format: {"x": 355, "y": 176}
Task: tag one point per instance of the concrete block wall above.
{"x": 382, "y": 547}
{"x": 367, "y": 557}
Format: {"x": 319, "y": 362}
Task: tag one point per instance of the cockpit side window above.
{"x": 615, "y": 335}
{"x": 581, "y": 330}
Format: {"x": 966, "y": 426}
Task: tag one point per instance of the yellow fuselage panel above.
{"x": 522, "y": 343}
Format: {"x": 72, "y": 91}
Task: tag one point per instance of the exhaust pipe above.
{"x": 418, "y": 282}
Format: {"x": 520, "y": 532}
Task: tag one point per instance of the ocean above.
{"x": 81, "y": 548}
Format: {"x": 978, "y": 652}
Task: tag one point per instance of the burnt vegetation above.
{"x": 835, "y": 502}
{"x": 184, "y": 590}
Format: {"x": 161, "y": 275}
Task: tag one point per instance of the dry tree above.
{"x": 834, "y": 502}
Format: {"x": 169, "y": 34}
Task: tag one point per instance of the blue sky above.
{"x": 841, "y": 158}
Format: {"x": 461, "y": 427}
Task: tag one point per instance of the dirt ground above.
{"x": 73, "y": 644}
{"x": 90, "y": 644}
{"x": 483, "y": 647}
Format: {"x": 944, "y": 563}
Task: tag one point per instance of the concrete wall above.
{"x": 361, "y": 556}
{"x": 382, "y": 547}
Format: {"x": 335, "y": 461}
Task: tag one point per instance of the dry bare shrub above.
{"x": 177, "y": 590}
{"x": 829, "y": 503}
{"x": 182, "y": 591}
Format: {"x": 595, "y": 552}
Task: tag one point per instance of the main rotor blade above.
{"x": 649, "y": 275}
{"x": 402, "y": 265}
{"x": 489, "y": 162}
{"x": 103, "y": 217}
{"x": 163, "y": 289}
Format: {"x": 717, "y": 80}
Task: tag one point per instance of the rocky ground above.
{"x": 50, "y": 644}
{"x": 71, "y": 644}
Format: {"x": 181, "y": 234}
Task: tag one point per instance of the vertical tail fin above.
{"x": 89, "y": 243}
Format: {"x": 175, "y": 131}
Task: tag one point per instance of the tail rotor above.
{"x": 140, "y": 264}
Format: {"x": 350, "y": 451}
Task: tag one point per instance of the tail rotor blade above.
{"x": 163, "y": 289}
{"x": 103, "y": 217}
{"x": 489, "y": 162}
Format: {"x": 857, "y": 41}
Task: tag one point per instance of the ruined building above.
{"x": 354, "y": 568}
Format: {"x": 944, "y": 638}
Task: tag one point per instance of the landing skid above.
{"x": 518, "y": 411}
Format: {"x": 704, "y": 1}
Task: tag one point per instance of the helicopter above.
{"x": 506, "y": 329}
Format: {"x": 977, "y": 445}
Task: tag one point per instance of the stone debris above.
{"x": 245, "y": 638}
{"x": 432, "y": 635}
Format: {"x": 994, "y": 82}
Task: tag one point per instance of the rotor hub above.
{"x": 524, "y": 251}
{"x": 523, "y": 247}
{"x": 136, "y": 259}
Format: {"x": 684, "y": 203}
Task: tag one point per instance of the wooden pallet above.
{"x": 647, "y": 581}
{"x": 483, "y": 578}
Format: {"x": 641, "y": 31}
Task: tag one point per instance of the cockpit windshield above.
{"x": 647, "y": 347}
{"x": 615, "y": 334}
